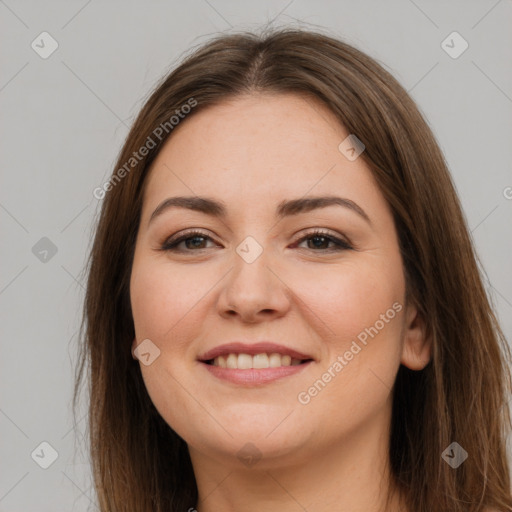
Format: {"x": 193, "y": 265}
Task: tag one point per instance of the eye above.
{"x": 193, "y": 240}
{"x": 320, "y": 241}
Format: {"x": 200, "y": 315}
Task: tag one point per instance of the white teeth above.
{"x": 274, "y": 360}
{"x": 232, "y": 361}
{"x": 260, "y": 361}
{"x": 246, "y": 361}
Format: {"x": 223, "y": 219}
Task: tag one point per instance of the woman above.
{"x": 284, "y": 309}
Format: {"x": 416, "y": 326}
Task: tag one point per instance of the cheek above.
{"x": 166, "y": 305}
{"x": 164, "y": 298}
{"x": 360, "y": 316}
{"x": 354, "y": 381}
{"x": 353, "y": 296}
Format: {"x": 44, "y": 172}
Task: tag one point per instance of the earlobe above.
{"x": 417, "y": 347}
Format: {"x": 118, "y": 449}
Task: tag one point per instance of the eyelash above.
{"x": 341, "y": 245}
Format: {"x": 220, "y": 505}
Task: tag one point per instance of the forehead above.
{"x": 256, "y": 149}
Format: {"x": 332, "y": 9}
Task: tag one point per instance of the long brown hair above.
{"x": 139, "y": 463}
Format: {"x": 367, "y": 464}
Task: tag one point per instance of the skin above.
{"x": 330, "y": 454}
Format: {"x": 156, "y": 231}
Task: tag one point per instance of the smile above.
{"x": 247, "y": 361}
{"x": 252, "y": 364}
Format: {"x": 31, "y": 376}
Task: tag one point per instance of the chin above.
{"x": 246, "y": 449}
{"x": 271, "y": 437}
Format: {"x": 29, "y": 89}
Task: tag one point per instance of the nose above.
{"x": 254, "y": 291}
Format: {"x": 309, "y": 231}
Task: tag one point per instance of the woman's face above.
{"x": 257, "y": 330}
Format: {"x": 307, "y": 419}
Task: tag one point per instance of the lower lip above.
{"x": 254, "y": 376}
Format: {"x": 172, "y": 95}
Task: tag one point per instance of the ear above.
{"x": 417, "y": 348}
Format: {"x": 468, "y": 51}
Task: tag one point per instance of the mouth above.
{"x": 242, "y": 361}
{"x": 253, "y": 364}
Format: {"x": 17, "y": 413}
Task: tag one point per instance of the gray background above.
{"x": 64, "y": 119}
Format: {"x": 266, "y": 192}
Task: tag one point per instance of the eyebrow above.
{"x": 288, "y": 208}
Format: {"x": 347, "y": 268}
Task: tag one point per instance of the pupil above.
{"x": 195, "y": 239}
{"x": 317, "y": 238}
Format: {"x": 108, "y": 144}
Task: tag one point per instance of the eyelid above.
{"x": 183, "y": 235}
{"x": 339, "y": 241}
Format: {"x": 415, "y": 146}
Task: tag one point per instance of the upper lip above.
{"x": 261, "y": 347}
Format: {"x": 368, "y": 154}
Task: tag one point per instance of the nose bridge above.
{"x": 251, "y": 286}
{"x": 251, "y": 261}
